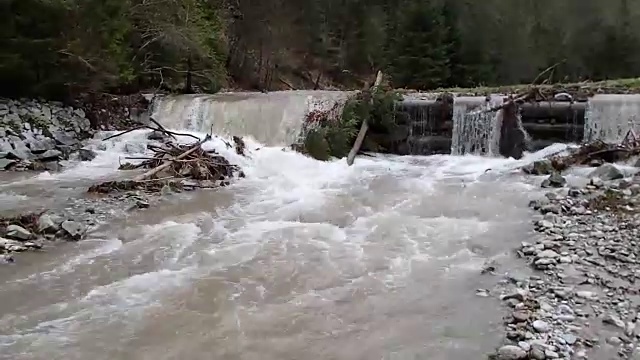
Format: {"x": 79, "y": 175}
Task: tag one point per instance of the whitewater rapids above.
{"x": 299, "y": 260}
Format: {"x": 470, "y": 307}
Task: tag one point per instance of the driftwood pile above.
{"x": 598, "y": 152}
{"x": 176, "y": 166}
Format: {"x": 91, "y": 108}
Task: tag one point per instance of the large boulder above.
{"x": 607, "y": 172}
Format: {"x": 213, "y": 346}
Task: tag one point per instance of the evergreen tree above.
{"x": 419, "y": 48}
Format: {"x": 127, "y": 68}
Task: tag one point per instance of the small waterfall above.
{"x": 609, "y": 117}
{"x": 274, "y": 118}
{"x": 475, "y": 131}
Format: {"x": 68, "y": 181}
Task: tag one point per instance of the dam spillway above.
{"x": 459, "y": 126}
{"x": 462, "y": 128}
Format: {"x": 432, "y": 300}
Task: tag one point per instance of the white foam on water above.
{"x": 291, "y": 213}
{"x": 475, "y": 130}
{"x": 86, "y": 257}
{"x": 10, "y": 200}
{"x": 272, "y": 119}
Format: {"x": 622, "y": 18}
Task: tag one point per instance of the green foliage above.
{"x": 420, "y": 50}
{"x": 54, "y": 48}
{"x": 335, "y": 137}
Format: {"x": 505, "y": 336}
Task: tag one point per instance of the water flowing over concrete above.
{"x": 609, "y": 117}
{"x": 299, "y": 260}
{"x": 475, "y": 131}
{"x": 273, "y": 118}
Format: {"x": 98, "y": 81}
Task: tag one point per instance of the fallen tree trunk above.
{"x": 363, "y": 129}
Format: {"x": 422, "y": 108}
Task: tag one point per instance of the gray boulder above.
{"x": 554, "y": 180}
{"x": 607, "y": 172}
{"x": 18, "y": 233}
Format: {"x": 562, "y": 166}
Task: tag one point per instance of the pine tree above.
{"x": 419, "y": 51}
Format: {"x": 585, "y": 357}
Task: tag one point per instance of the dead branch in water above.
{"x": 172, "y": 164}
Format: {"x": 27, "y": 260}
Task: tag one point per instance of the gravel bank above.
{"x": 582, "y": 300}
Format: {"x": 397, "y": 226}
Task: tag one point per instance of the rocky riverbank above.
{"x": 37, "y": 135}
{"x": 583, "y": 299}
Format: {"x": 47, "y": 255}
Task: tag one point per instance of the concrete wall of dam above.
{"x": 442, "y": 127}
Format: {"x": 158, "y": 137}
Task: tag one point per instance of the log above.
{"x": 168, "y": 162}
{"x": 363, "y": 129}
{"x": 564, "y": 112}
{"x": 566, "y": 132}
{"x": 433, "y": 111}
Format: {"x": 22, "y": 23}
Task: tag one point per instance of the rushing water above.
{"x": 610, "y": 117}
{"x": 300, "y": 260}
{"x": 475, "y": 130}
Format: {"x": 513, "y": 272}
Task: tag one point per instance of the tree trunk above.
{"x": 363, "y": 130}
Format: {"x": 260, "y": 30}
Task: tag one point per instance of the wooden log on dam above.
{"x": 547, "y": 122}
{"x": 433, "y": 112}
{"x": 566, "y": 132}
{"x": 560, "y": 112}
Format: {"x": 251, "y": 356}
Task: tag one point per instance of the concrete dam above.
{"x": 436, "y": 127}
{"x": 432, "y": 126}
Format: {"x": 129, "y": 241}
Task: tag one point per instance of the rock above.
{"x": 541, "y": 326}
{"x": 18, "y": 233}
{"x": 51, "y": 166}
{"x": 537, "y": 352}
{"x": 63, "y": 137}
{"x": 569, "y": 338}
{"x": 46, "y": 224}
{"x": 40, "y": 146}
{"x": 547, "y": 254}
{"x": 73, "y": 230}
{"x": 551, "y": 354}
{"x": 554, "y": 180}
{"x": 49, "y": 155}
{"x": 134, "y": 148}
{"x": 614, "y": 320}
{"x": 521, "y": 315}
{"x": 20, "y": 150}
{"x": 607, "y": 172}
{"x": 539, "y": 167}
{"x": 86, "y": 154}
{"x": 524, "y": 346}
{"x": 12, "y": 245}
{"x": 614, "y": 340}
{"x": 157, "y": 135}
{"x": 6, "y": 259}
{"x": 141, "y": 204}
{"x": 511, "y": 352}
{"x": 6, "y": 164}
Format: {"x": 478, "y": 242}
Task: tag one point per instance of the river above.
{"x": 299, "y": 260}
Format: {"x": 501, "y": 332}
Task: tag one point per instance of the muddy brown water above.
{"x": 299, "y": 260}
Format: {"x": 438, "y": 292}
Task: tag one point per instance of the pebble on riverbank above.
{"x": 587, "y": 262}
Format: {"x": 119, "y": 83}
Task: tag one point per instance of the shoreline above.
{"x": 580, "y": 301}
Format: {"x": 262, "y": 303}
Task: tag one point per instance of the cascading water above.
{"x": 299, "y": 259}
{"x": 610, "y": 117}
{"x": 274, "y": 118}
{"x": 475, "y": 131}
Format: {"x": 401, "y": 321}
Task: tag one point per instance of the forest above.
{"x": 58, "y": 48}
